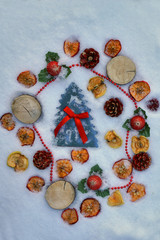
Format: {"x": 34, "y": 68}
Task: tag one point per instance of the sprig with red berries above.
{"x": 53, "y": 69}
{"x": 93, "y": 182}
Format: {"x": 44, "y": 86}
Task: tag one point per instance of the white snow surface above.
{"x": 29, "y": 29}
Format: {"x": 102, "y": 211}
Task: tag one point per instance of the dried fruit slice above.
{"x": 42, "y": 159}
{"x": 26, "y": 136}
{"x": 115, "y": 199}
{"x": 94, "y": 182}
{"x": 121, "y": 70}
{"x": 26, "y": 108}
{"x": 60, "y": 194}
{"x": 53, "y": 68}
{"x": 122, "y": 168}
{"x": 17, "y": 161}
{"x": 141, "y": 161}
{"x": 35, "y": 184}
{"x": 139, "y": 90}
{"x": 90, "y": 207}
{"x": 100, "y": 91}
{"x": 137, "y": 122}
{"x": 70, "y": 215}
{"x": 71, "y": 48}
{"x": 81, "y": 156}
{"x": 113, "y": 140}
{"x": 136, "y": 191}
{"x": 7, "y": 121}
{"x": 97, "y": 86}
{"x": 112, "y": 48}
{"x": 27, "y": 78}
{"x": 64, "y": 167}
{"x": 139, "y": 144}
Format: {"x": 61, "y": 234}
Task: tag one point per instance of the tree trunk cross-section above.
{"x": 121, "y": 70}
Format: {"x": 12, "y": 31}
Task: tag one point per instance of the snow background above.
{"x": 29, "y": 29}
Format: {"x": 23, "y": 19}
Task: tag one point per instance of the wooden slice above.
{"x": 121, "y": 70}
{"x": 26, "y": 108}
{"x": 60, "y": 194}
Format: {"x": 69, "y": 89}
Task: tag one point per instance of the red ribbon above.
{"x": 77, "y": 117}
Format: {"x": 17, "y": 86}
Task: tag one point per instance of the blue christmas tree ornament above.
{"x": 68, "y": 134}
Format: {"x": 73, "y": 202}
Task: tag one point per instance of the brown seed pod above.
{"x": 42, "y": 159}
{"x": 141, "y": 161}
{"x": 113, "y": 107}
{"x": 89, "y": 58}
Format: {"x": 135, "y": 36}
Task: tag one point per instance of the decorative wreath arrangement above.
{"x": 27, "y": 109}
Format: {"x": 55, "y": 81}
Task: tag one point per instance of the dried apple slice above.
{"x": 139, "y": 90}
{"x": 112, "y": 48}
{"x": 60, "y": 194}
{"x": 35, "y": 184}
{"x": 27, "y": 78}
{"x": 71, "y": 48}
{"x": 64, "y": 167}
{"x": 17, "y": 161}
{"x": 94, "y": 83}
{"x": 90, "y": 207}
{"x": 70, "y": 216}
{"x": 136, "y": 191}
{"x": 26, "y": 136}
{"x": 115, "y": 199}
{"x": 7, "y": 121}
{"x": 81, "y": 156}
{"x": 122, "y": 168}
{"x": 113, "y": 140}
{"x": 100, "y": 91}
{"x": 139, "y": 144}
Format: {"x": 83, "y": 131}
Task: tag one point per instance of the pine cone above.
{"x": 141, "y": 161}
{"x": 42, "y": 159}
{"x": 113, "y": 107}
{"x": 89, "y": 58}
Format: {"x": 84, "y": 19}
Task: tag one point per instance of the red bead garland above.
{"x": 42, "y": 88}
{"x": 52, "y": 163}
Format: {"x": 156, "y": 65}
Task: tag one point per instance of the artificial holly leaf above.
{"x": 52, "y": 56}
{"x": 140, "y": 110}
{"x": 103, "y": 193}
{"x": 82, "y": 185}
{"x": 68, "y": 70}
{"x": 126, "y": 125}
{"x": 96, "y": 169}
{"x": 44, "y": 76}
{"x": 145, "y": 131}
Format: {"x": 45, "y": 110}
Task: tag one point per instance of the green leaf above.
{"x": 68, "y": 70}
{"x": 126, "y": 125}
{"x": 96, "y": 169}
{"x": 103, "y": 193}
{"x": 140, "y": 110}
{"x": 145, "y": 131}
{"x": 52, "y": 56}
{"x": 81, "y": 185}
{"x": 44, "y": 76}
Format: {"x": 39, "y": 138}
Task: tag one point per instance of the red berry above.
{"x": 137, "y": 122}
{"x": 53, "y": 68}
{"x": 94, "y": 182}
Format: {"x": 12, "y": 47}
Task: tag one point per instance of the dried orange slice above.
{"x": 136, "y": 191}
{"x": 35, "y": 184}
{"x": 115, "y": 199}
{"x": 81, "y": 156}
{"x": 97, "y": 86}
{"x": 71, "y": 48}
{"x": 64, "y": 167}
{"x": 112, "y": 48}
{"x": 17, "y": 161}
{"x": 27, "y": 78}
{"x": 26, "y": 136}
{"x": 7, "y": 121}
{"x": 139, "y": 90}
{"x": 113, "y": 140}
{"x": 70, "y": 215}
{"x": 122, "y": 168}
{"x": 90, "y": 207}
{"x": 139, "y": 144}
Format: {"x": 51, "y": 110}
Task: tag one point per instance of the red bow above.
{"x": 77, "y": 117}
